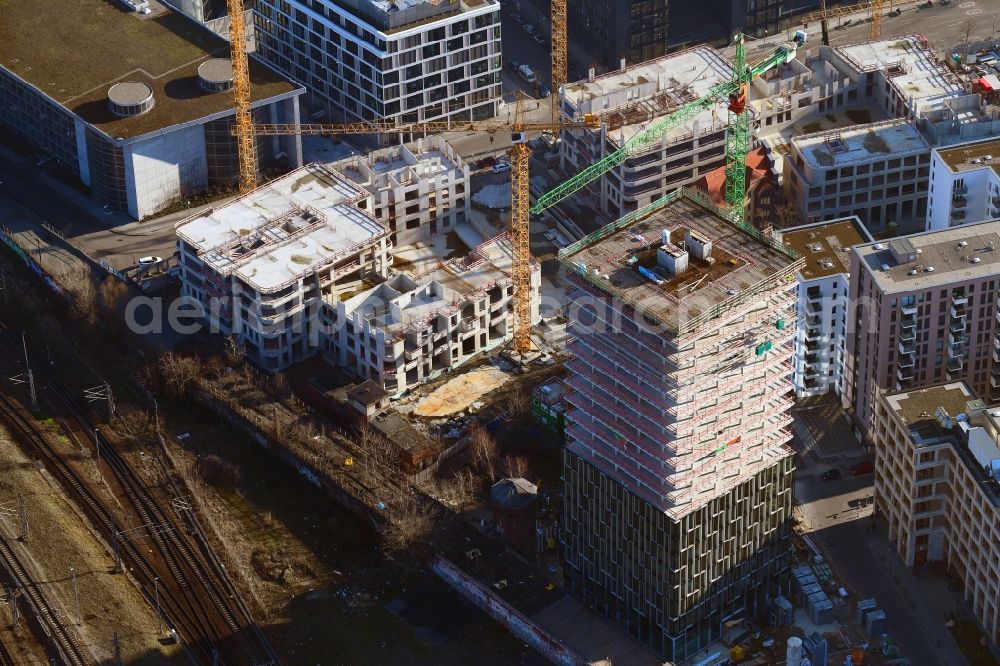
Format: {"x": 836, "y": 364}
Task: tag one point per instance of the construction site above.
{"x": 545, "y": 398}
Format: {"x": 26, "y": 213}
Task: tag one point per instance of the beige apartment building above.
{"x": 922, "y": 310}
{"x": 937, "y": 483}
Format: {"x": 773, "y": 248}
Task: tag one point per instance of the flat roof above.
{"x": 289, "y": 227}
{"x": 860, "y": 143}
{"x": 914, "y": 70}
{"x": 943, "y": 251}
{"x": 75, "y": 50}
{"x": 917, "y": 409}
{"x": 652, "y": 89}
{"x": 970, "y": 156}
{"x": 825, "y": 246}
{"x": 742, "y": 261}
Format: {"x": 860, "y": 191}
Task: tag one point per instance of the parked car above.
{"x": 149, "y": 261}
{"x": 501, "y": 167}
{"x": 543, "y": 91}
{"x": 513, "y": 65}
{"x": 831, "y": 474}
{"x": 540, "y": 38}
{"x": 529, "y": 28}
{"x": 517, "y": 18}
{"x": 863, "y": 467}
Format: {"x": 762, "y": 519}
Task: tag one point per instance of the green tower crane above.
{"x": 737, "y": 137}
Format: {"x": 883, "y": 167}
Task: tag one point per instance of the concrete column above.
{"x": 293, "y": 143}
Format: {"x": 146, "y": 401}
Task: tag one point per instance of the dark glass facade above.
{"x": 673, "y": 583}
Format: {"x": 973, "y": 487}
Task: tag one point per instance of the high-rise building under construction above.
{"x": 678, "y": 473}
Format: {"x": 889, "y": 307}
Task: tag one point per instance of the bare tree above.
{"x": 484, "y": 452}
{"x": 113, "y": 293}
{"x": 786, "y": 216}
{"x": 235, "y": 351}
{"x": 515, "y": 466}
{"x": 410, "y": 522}
{"x": 519, "y": 407}
{"x": 967, "y": 29}
{"x": 179, "y": 373}
{"x": 78, "y": 284}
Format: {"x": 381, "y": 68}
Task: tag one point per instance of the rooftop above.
{"x": 366, "y": 393}
{"x": 513, "y": 493}
{"x": 742, "y": 261}
{"x": 424, "y": 159}
{"x": 917, "y": 409}
{"x": 967, "y": 425}
{"x": 860, "y": 143}
{"x": 74, "y": 51}
{"x": 913, "y": 69}
{"x": 627, "y": 100}
{"x": 971, "y": 156}
{"x": 825, "y": 246}
{"x": 938, "y": 257}
{"x": 292, "y": 226}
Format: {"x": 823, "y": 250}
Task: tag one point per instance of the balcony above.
{"x": 812, "y": 359}
{"x": 959, "y": 299}
{"x": 959, "y": 312}
{"x": 909, "y": 310}
{"x": 905, "y": 361}
{"x": 956, "y": 364}
{"x": 957, "y": 340}
{"x": 814, "y": 320}
{"x": 904, "y": 374}
{"x": 814, "y": 307}
{"x": 959, "y": 201}
{"x": 907, "y": 334}
{"x": 813, "y": 334}
{"x": 906, "y": 347}
{"x": 959, "y": 190}
{"x": 994, "y": 381}
{"x": 466, "y": 325}
{"x": 958, "y": 214}
{"x": 908, "y": 321}
{"x": 957, "y": 326}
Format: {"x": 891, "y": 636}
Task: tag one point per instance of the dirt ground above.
{"x": 459, "y": 393}
{"x": 59, "y": 539}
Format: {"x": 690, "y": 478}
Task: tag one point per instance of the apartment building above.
{"x": 964, "y": 184}
{"x": 412, "y": 328}
{"x": 922, "y": 311}
{"x": 395, "y": 60}
{"x": 677, "y": 472}
{"x": 900, "y": 76}
{"x": 937, "y": 484}
{"x": 141, "y": 131}
{"x": 415, "y": 190}
{"x": 821, "y": 323}
{"x": 876, "y": 172}
{"x": 626, "y": 102}
{"x": 263, "y": 266}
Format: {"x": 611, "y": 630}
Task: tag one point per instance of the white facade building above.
{"x": 964, "y": 185}
{"x": 415, "y": 190}
{"x": 263, "y": 266}
{"x": 876, "y": 172}
{"x": 822, "y": 301}
{"x": 412, "y": 328}
{"x": 405, "y": 60}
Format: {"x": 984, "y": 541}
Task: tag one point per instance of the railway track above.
{"x": 60, "y": 636}
{"x": 6, "y": 659}
{"x": 197, "y": 601}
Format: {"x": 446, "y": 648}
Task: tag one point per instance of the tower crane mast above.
{"x": 733, "y": 91}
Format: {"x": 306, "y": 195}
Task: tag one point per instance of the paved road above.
{"x": 944, "y": 26}
{"x": 837, "y": 522}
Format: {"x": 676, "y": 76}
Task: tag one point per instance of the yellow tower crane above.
{"x": 559, "y": 69}
{"x": 520, "y": 182}
{"x": 246, "y": 149}
{"x": 874, "y": 9}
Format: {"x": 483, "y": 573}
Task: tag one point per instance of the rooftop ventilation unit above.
{"x": 130, "y": 98}
{"x": 216, "y": 75}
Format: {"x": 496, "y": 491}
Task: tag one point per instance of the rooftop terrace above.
{"x": 860, "y": 143}
{"x": 971, "y": 156}
{"x": 825, "y": 246}
{"x": 289, "y": 227}
{"x": 742, "y": 262}
{"x": 967, "y": 252}
{"x": 916, "y": 409}
{"x": 75, "y": 50}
